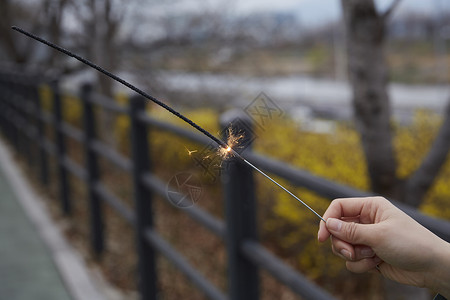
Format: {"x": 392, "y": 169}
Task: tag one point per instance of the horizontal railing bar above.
{"x": 9, "y": 97}
{"x": 14, "y": 118}
{"x": 157, "y": 242}
{"x": 31, "y": 78}
{"x": 25, "y": 106}
{"x": 302, "y": 178}
{"x": 331, "y": 190}
{"x": 31, "y": 132}
{"x": 257, "y": 254}
{"x": 19, "y": 104}
{"x": 47, "y": 117}
{"x": 439, "y": 227}
{"x": 109, "y": 104}
{"x": 198, "y": 214}
{"x": 115, "y": 202}
{"x": 28, "y": 130}
{"x": 74, "y": 168}
{"x": 112, "y": 155}
{"x": 183, "y": 132}
{"x": 72, "y": 132}
{"x": 48, "y": 146}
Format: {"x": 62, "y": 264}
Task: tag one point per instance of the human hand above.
{"x": 371, "y": 232}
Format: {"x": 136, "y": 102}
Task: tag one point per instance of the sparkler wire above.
{"x": 163, "y": 105}
{"x": 279, "y": 185}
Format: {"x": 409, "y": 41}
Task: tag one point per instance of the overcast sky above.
{"x": 310, "y": 12}
{"x": 317, "y": 11}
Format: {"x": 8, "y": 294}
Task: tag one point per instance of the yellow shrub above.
{"x": 46, "y": 97}
{"x": 169, "y": 150}
{"x": 70, "y": 105}
{"x": 72, "y": 109}
{"x": 290, "y": 227}
{"x": 339, "y": 157}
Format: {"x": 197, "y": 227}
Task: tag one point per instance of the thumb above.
{"x": 353, "y": 233}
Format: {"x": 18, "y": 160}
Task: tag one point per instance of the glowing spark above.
{"x": 190, "y": 151}
{"x": 233, "y": 141}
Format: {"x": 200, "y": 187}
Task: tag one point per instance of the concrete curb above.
{"x": 74, "y": 273}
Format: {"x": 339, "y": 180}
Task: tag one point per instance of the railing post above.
{"x": 23, "y": 82}
{"x": 93, "y": 174}
{"x": 60, "y": 148}
{"x": 240, "y": 214}
{"x": 43, "y": 159}
{"x": 17, "y": 138}
{"x": 18, "y": 102}
{"x": 4, "y": 110}
{"x": 3, "y": 107}
{"x": 143, "y": 200}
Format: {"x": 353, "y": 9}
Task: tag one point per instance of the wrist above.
{"x": 440, "y": 279}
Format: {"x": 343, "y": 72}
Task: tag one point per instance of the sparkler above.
{"x": 225, "y": 149}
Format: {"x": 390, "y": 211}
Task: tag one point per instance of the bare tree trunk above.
{"x": 106, "y": 54}
{"x": 17, "y": 52}
{"x": 104, "y": 27}
{"x": 8, "y": 41}
{"x": 421, "y": 180}
{"x": 368, "y": 77}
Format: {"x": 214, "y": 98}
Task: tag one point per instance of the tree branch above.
{"x": 421, "y": 181}
{"x": 391, "y": 8}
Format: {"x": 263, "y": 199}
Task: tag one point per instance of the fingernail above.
{"x": 367, "y": 252}
{"x": 334, "y": 224}
{"x": 377, "y": 260}
{"x": 347, "y": 254}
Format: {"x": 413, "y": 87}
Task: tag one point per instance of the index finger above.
{"x": 343, "y": 207}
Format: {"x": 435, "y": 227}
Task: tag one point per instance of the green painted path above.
{"x": 27, "y": 271}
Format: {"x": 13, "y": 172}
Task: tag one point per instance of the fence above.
{"x": 22, "y": 122}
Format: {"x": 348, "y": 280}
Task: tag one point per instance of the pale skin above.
{"x": 372, "y": 235}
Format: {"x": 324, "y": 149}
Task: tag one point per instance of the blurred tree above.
{"x": 43, "y": 16}
{"x": 101, "y": 23}
{"x": 368, "y": 75}
{"x": 102, "y": 30}
{"x": 90, "y": 25}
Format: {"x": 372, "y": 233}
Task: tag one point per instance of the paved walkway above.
{"x": 27, "y": 270}
{"x": 36, "y": 261}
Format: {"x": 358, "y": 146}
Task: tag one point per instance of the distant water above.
{"x": 304, "y": 89}
{"x": 291, "y": 92}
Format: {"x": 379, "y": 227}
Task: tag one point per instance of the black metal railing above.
{"x": 22, "y": 121}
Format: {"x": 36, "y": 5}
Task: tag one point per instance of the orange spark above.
{"x": 190, "y": 151}
{"x": 232, "y": 142}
